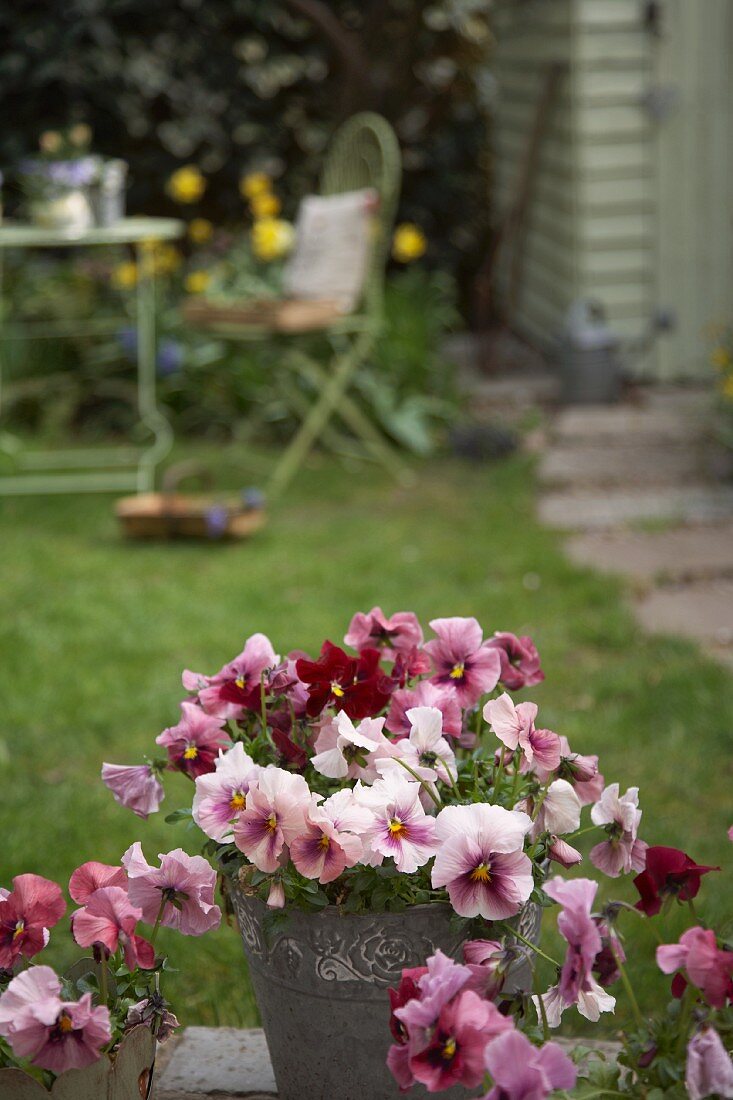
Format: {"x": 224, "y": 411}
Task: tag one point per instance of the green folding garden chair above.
{"x": 364, "y": 153}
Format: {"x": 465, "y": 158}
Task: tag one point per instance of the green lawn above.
{"x": 94, "y": 633}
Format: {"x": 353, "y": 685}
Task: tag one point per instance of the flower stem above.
{"x": 543, "y": 1011}
{"x": 636, "y": 1011}
{"x": 499, "y": 774}
{"x": 263, "y": 706}
{"x": 453, "y": 782}
{"x": 103, "y": 988}
{"x": 158, "y": 919}
{"x": 518, "y": 936}
{"x": 688, "y": 1000}
{"x": 435, "y": 797}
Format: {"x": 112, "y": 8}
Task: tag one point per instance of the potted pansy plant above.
{"x": 91, "y": 1034}
{"x": 379, "y": 804}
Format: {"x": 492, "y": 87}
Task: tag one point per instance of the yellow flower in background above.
{"x": 272, "y": 238}
{"x": 265, "y": 205}
{"x": 408, "y": 243}
{"x": 200, "y": 230}
{"x": 80, "y": 134}
{"x": 166, "y": 258}
{"x": 727, "y": 387}
{"x": 197, "y": 282}
{"x": 187, "y": 184}
{"x": 124, "y": 276}
{"x": 50, "y": 141}
{"x": 253, "y": 184}
{"x": 720, "y": 358}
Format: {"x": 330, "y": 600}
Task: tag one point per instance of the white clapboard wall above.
{"x": 633, "y": 198}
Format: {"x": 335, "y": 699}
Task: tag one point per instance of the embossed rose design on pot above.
{"x": 382, "y": 956}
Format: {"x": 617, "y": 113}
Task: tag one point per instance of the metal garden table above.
{"x": 74, "y": 470}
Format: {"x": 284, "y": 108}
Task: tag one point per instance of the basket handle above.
{"x": 182, "y": 471}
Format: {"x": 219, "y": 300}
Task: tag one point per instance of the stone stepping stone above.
{"x": 628, "y": 464}
{"x": 683, "y": 554}
{"x": 702, "y": 610}
{"x": 673, "y": 421}
{"x": 589, "y": 510}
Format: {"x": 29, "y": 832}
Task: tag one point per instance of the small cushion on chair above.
{"x": 332, "y": 245}
{"x": 274, "y": 314}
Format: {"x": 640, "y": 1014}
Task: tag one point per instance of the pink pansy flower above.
{"x": 276, "y": 896}
{"x": 277, "y": 803}
{"x": 283, "y": 680}
{"x": 344, "y": 750}
{"x": 520, "y": 661}
{"x": 235, "y": 689}
{"x": 621, "y": 815}
{"x": 707, "y": 967}
{"x": 424, "y": 694}
{"x": 331, "y": 840}
{"x": 34, "y": 905}
{"x": 521, "y": 1071}
{"x": 400, "y": 827}
{"x": 709, "y": 1070}
{"x": 438, "y": 982}
{"x": 426, "y": 751}
{"x": 481, "y": 860}
{"x": 92, "y": 876}
{"x": 455, "y": 1052}
{"x": 185, "y": 883}
{"x": 487, "y": 960}
{"x": 221, "y": 795}
{"x": 401, "y": 633}
{"x": 135, "y": 786}
{"x": 515, "y": 728}
{"x": 193, "y": 745}
{"x": 559, "y": 812}
{"x": 108, "y": 918}
{"x": 580, "y": 771}
{"x": 563, "y": 853}
{"x": 462, "y": 663}
{"x": 53, "y": 1034}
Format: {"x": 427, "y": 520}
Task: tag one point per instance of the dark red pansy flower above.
{"x": 406, "y": 991}
{"x": 668, "y": 873}
{"x": 356, "y": 685}
{"x": 520, "y": 661}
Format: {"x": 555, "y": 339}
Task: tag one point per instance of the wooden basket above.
{"x": 170, "y": 514}
{"x": 276, "y": 315}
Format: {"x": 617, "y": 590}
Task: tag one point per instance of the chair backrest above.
{"x": 365, "y": 152}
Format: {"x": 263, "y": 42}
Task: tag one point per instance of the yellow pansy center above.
{"x": 272, "y": 822}
{"x": 481, "y": 873}
{"x": 325, "y": 841}
{"x": 458, "y": 671}
{"x": 65, "y": 1023}
{"x": 337, "y": 690}
{"x": 190, "y": 752}
{"x": 396, "y": 827}
{"x": 449, "y": 1049}
{"x": 237, "y": 802}
{"x": 19, "y": 929}
{"x": 239, "y": 682}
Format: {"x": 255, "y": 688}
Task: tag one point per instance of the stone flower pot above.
{"x": 128, "y": 1077}
{"x": 321, "y": 985}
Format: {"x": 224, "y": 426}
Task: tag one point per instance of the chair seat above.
{"x": 272, "y": 314}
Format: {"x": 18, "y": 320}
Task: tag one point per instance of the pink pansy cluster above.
{"x": 44, "y": 1023}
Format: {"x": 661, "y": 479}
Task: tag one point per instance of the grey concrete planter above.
{"x": 128, "y": 1077}
{"x": 321, "y": 985}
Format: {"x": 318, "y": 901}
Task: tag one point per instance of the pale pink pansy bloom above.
{"x": 135, "y": 786}
{"x": 563, "y": 853}
{"x": 185, "y": 883}
{"x": 461, "y": 662}
{"x": 424, "y": 694}
{"x": 346, "y": 751}
{"x": 221, "y": 795}
{"x": 108, "y": 918}
{"x": 521, "y": 1071}
{"x": 707, "y": 967}
{"x": 92, "y": 876}
{"x": 34, "y": 905}
{"x": 620, "y": 814}
{"x": 481, "y": 861}
{"x": 276, "y": 896}
{"x": 559, "y": 812}
{"x": 53, "y": 1034}
{"x": 426, "y": 751}
{"x": 400, "y": 828}
{"x": 487, "y": 960}
{"x": 580, "y": 771}
{"x": 195, "y": 742}
{"x": 277, "y": 802}
{"x": 515, "y": 728}
{"x": 331, "y": 840}
{"x": 401, "y": 633}
{"x": 709, "y": 1070}
{"x": 235, "y": 689}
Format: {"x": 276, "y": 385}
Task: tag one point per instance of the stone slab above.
{"x": 683, "y": 554}
{"x": 672, "y": 418}
{"x": 594, "y": 510}
{"x": 223, "y": 1062}
{"x": 628, "y": 464}
{"x": 216, "y": 1063}
{"x": 702, "y": 610}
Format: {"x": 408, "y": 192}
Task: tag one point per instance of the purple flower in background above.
{"x": 170, "y": 357}
{"x": 127, "y": 339}
{"x": 217, "y": 521}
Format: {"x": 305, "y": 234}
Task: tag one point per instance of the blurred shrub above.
{"x": 239, "y": 85}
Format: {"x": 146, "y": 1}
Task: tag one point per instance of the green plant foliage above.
{"x": 236, "y": 85}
